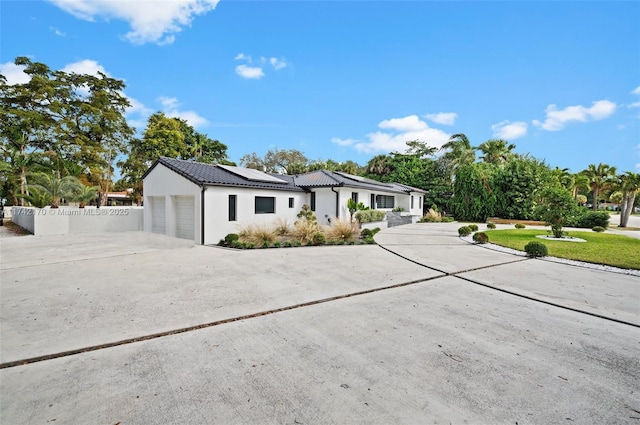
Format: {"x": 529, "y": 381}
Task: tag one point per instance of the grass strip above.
{"x": 600, "y": 248}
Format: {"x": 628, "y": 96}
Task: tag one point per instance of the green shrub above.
{"x": 520, "y": 226}
{"x": 369, "y": 233}
{"x": 369, "y": 241}
{"x": 491, "y": 226}
{"x": 318, "y": 239}
{"x": 230, "y": 239}
{"x": 598, "y": 229}
{"x": 536, "y": 249}
{"x": 398, "y": 209}
{"x": 473, "y": 227}
{"x": 448, "y": 219}
{"x": 277, "y": 244}
{"x": 591, "y": 219}
{"x": 464, "y": 231}
{"x": 480, "y": 237}
{"x": 369, "y": 216}
{"x": 288, "y": 244}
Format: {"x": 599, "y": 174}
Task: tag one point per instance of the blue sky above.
{"x": 353, "y": 79}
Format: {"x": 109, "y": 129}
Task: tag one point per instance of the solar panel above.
{"x": 363, "y": 179}
{"x": 251, "y": 174}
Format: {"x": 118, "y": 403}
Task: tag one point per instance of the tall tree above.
{"x": 496, "y": 151}
{"x": 172, "y": 138}
{"x": 287, "y": 161}
{"x": 458, "y": 152}
{"x": 599, "y": 177}
{"x": 75, "y": 121}
{"x": 630, "y": 185}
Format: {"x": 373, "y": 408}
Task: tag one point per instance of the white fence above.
{"x": 63, "y": 220}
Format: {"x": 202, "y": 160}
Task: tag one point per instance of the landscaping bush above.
{"x": 591, "y": 219}
{"x": 536, "y": 249}
{"x": 341, "y": 230}
{"x": 480, "y": 237}
{"x": 464, "y": 231}
{"x": 282, "y": 227}
{"x": 303, "y": 231}
{"x": 520, "y": 226}
{"x": 598, "y": 229}
{"x": 491, "y": 226}
{"x": 369, "y": 233}
{"x": 369, "y": 216}
{"x": 432, "y": 216}
{"x": 230, "y": 238}
{"x": 318, "y": 239}
{"x": 448, "y": 219}
{"x": 473, "y": 227}
{"x": 257, "y": 234}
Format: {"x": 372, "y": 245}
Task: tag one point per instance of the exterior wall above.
{"x": 325, "y": 204}
{"x": 64, "y": 220}
{"x": 217, "y": 224}
{"x": 162, "y": 181}
{"x": 24, "y": 217}
{"x": 418, "y": 199}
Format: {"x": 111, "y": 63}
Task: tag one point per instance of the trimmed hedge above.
{"x": 491, "y": 226}
{"x": 473, "y": 227}
{"x": 536, "y": 249}
{"x": 464, "y": 231}
{"x": 598, "y": 229}
{"x": 480, "y": 237}
{"x": 520, "y": 226}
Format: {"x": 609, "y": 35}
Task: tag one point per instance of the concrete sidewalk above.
{"x": 345, "y": 334}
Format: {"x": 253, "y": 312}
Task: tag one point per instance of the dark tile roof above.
{"x": 323, "y": 178}
{"x": 210, "y": 175}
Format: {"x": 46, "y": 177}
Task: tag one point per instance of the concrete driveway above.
{"x": 136, "y": 328}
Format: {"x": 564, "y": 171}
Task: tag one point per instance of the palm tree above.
{"x": 83, "y": 194}
{"x": 379, "y": 165}
{"x": 496, "y": 151}
{"x": 580, "y": 182}
{"x": 630, "y": 188}
{"x": 599, "y": 177}
{"x": 458, "y": 152}
{"x": 54, "y": 186}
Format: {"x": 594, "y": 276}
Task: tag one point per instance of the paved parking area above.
{"x": 136, "y": 328}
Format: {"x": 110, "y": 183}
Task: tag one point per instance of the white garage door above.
{"x": 158, "y": 221}
{"x": 185, "y": 216}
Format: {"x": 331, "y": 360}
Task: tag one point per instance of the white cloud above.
{"x": 150, "y": 21}
{"x": 57, "y": 32}
{"x": 396, "y": 132}
{"x": 14, "y": 73}
{"x": 344, "y": 142}
{"x": 249, "y": 72}
{"x": 254, "y": 69}
{"x": 170, "y": 106}
{"x": 86, "y": 66}
{"x": 556, "y": 119}
{"x": 636, "y": 91}
{"x": 444, "y": 118}
{"x": 509, "y": 130}
{"x": 634, "y": 105}
{"x": 277, "y": 64}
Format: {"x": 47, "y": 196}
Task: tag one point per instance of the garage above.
{"x": 158, "y": 215}
{"x": 185, "y": 217}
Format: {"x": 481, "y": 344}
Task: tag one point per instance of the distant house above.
{"x": 205, "y": 202}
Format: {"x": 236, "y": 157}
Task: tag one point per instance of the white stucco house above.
{"x": 205, "y": 202}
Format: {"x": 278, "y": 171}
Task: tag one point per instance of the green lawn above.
{"x": 600, "y": 248}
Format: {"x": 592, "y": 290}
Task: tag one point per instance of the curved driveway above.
{"x": 136, "y": 328}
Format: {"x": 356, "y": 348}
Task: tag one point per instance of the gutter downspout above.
{"x": 337, "y": 202}
{"x": 202, "y": 215}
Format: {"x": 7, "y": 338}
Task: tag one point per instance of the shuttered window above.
{"x": 385, "y": 201}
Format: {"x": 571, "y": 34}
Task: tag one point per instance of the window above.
{"x": 265, "y": 205}
{"x": 384, "y": 201}
{"x": 290, "y": 202}
{"x": 411, "y": 201}
{"x": 313, "y": 201}
{"x": 233, "y": 204}
{"x": 372, "y": 203}
{"x": 354, "y": 196}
